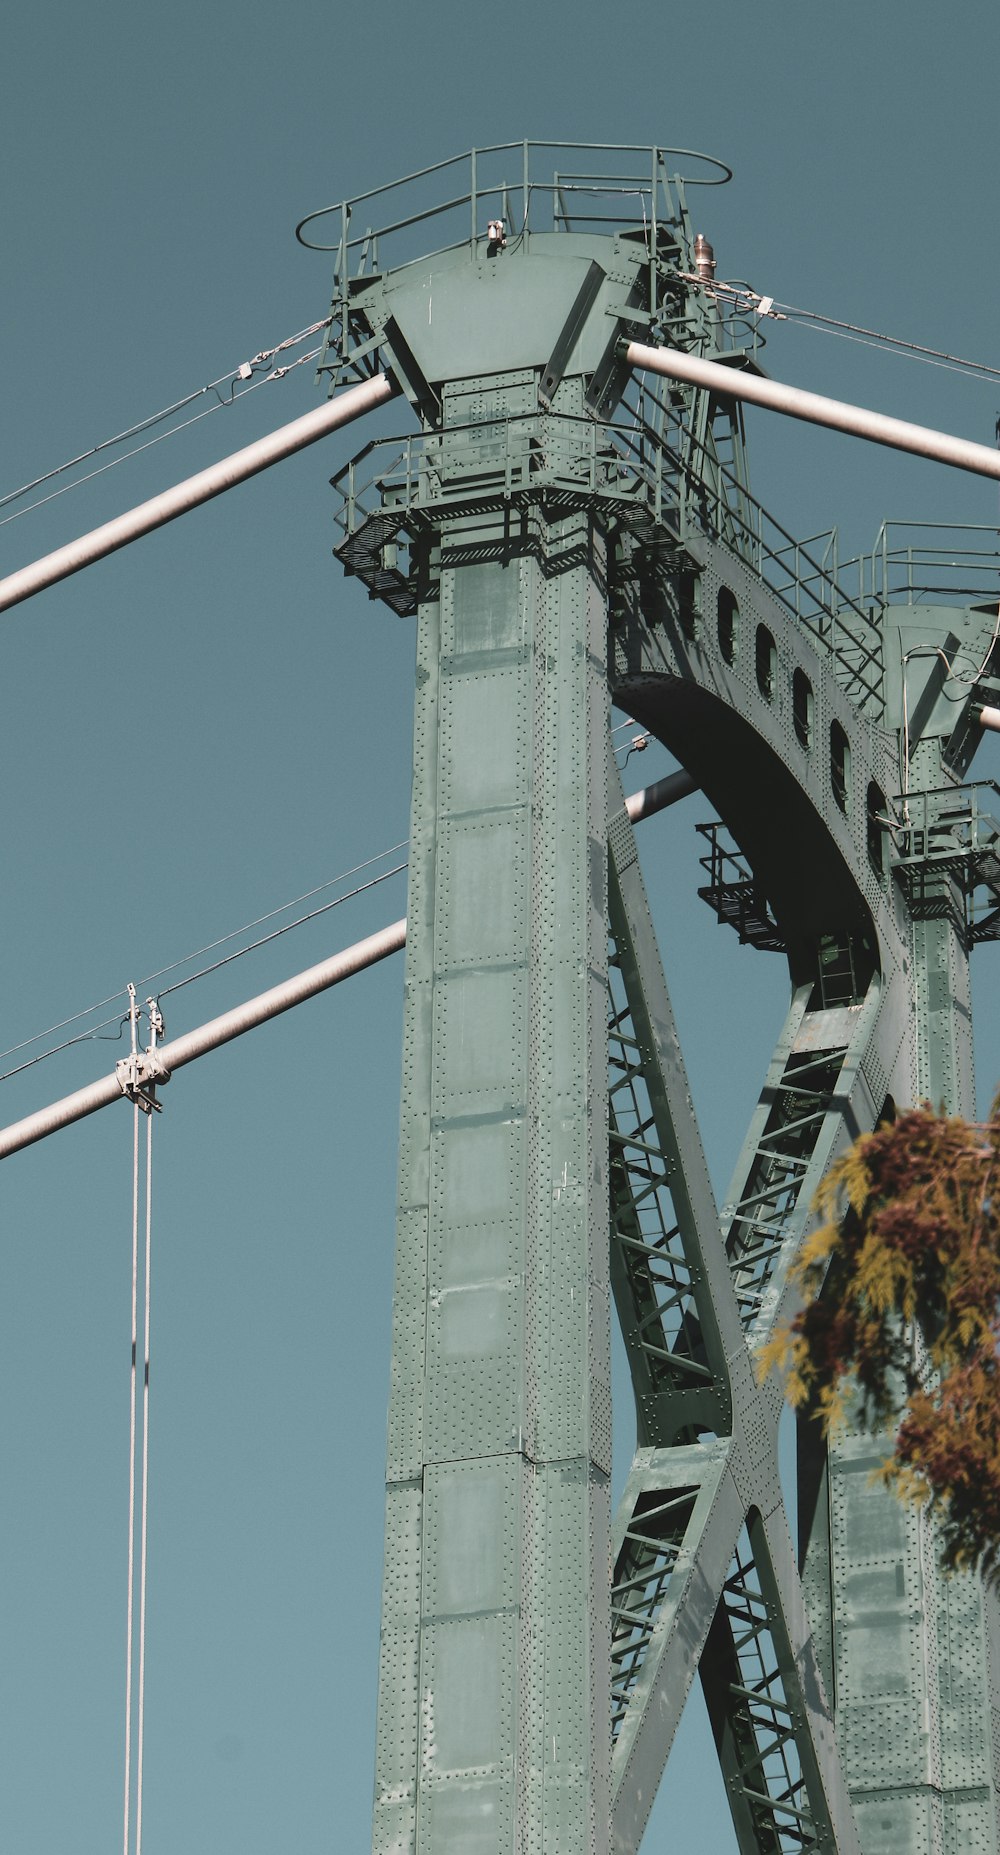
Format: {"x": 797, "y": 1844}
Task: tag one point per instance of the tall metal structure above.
{"x": 566, "y": 536}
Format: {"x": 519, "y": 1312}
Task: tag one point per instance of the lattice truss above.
{"x": 773, "y": 1189}
{"x": 760, "y": 1720}
{"x": 650, "y": 1244}
{"x": 704, "y": 1574}
{"x": 645, "y": 1565}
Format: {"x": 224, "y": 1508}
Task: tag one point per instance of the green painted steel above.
{"x": 494, "y": 1641}
{"x": 914, "y": 1655}
{"x": 565, "y": 535}
{"x": 703, "y": 1572}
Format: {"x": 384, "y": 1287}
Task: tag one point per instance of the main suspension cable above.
{"x": 95, "y": 1031}
{"x": 744, "y": 300}
{"x": 240, "y": 381}
{"x": 276, "y": 934}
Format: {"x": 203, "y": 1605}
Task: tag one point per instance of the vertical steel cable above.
{"x": 145, "y": 1485}
{"x": 131, "y": 1439}
{"x": 139, "y": 1105}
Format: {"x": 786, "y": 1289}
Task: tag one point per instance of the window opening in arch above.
{"x": 766, "y": 662}
{"x": 802, "y": 708}
{"x": 728, "y": 613}
{"x": 876, "y": 829}
{"x": 840, "y": 764}
{"x": 688, "y": 589}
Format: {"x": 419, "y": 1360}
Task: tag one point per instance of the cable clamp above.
{"x": 138, "y": 1077}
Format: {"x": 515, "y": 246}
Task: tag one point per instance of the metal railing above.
{"x": 928, "y": 562}
{"x": 946, "y": 857}
{"x": 945, "y": 822}
{"x": 806, "y": 584}
{"x": 532, "y": 187}
{"x": 652, "y": 463}
{"x": 515, "y": 181}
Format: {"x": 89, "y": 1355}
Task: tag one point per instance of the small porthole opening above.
{"x": 729, "y": 613}
{"x": 688, "y": 591}
{"x": 876, "y": 829}
{"x": 840, "y": 765}
{"x": 802, "y": 708}
{"x": 766, "y": 658}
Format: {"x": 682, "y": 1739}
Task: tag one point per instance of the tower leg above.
{"x": 493, "y": 1713}
{"x": 913, "y": 1654}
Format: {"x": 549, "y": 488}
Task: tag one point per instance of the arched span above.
{"x": 806, "y": 841}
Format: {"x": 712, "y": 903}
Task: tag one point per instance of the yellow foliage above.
{"x": 786, "y": 1352}
{"x": 904, "y": 1479}
{"x": 833, "y": 1407}
{"x": 855, "y": 1177}
{"x": 900, "y": 1324}
{"x": 776, "y": 1353}
{"x": 884, "y": 1279}
{"x": 816, "y": 1250}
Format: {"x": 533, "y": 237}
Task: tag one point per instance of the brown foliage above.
{"x": 905, "y": 1330}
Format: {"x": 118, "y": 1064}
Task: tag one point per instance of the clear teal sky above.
{"x": 215, "y": 721}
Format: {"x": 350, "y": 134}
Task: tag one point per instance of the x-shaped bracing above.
{"x": 704, "y": 1571}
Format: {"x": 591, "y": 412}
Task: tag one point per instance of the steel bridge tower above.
{"x": 565, "y": 537}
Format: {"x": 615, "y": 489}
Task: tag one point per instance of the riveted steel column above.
{"x": 962, "y": 1618}
{"x": 914, "y": 1670}
{"x": 493, "y": 1721}
{"x": 913, "y": 1679}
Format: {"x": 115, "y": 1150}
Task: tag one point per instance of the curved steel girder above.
{"x": 734, "y": 730}
{"x": 677, "y": 1529}
{"x": 808, "y": 852}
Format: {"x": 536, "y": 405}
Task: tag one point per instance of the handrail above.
{"x": 644, "y": 451}
{"x": 922, "y": 567}
{"x": 954, "y": 811}
{"x": 526, "y": 156}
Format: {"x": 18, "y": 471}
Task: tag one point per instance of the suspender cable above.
{"x": 135, "y": 1652}
{"x": 130, "y": 1597}
{"x": 197, "y": 489}
{"x": 141, "y": 1711}
{"x": 837, "y": 414}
